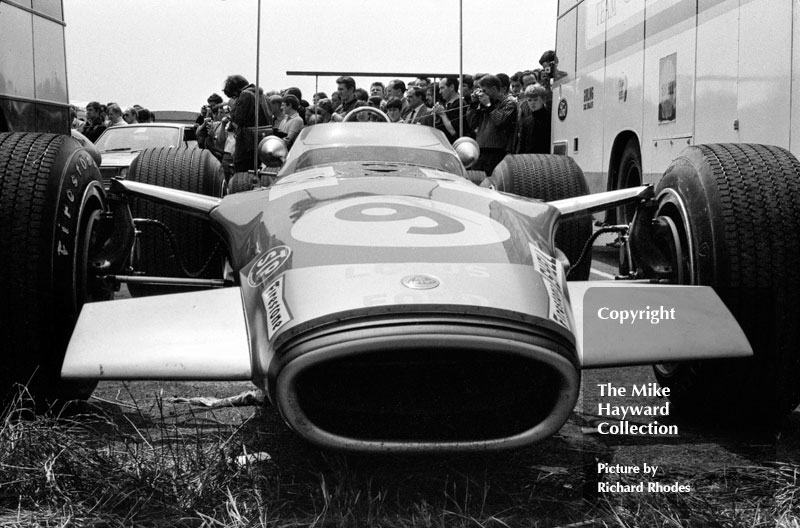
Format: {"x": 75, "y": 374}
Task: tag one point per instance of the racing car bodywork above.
{"x": 386, "y": 303}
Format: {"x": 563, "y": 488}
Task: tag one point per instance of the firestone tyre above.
{"x": 51, "y": 196}
{"x": 199, "y": 249}
{"x": 550, "y": 177}
{"x": 738, "y": 209}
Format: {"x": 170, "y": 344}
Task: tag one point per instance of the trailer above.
{"x": 637, "y": 81}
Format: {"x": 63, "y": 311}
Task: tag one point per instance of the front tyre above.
{"x": 51, "y": 199}
{"x": 737, "y": 211}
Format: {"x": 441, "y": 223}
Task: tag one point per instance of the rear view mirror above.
{"x": 271, "y": 148}
{"x": 467, "y": 150}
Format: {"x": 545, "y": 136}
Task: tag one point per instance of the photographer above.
{"x": 494, "y": 115}
{"x": 243, "y": 120}
{"x": 213, "y": 134}
{"x": 549, "y": 73}
{"x": 212, "y": 101}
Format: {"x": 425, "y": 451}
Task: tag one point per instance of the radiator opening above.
{"x": 435, "y": 395}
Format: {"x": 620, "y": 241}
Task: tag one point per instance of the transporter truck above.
{"x": 637, "y": 81}
{"x": 702, "y": 99}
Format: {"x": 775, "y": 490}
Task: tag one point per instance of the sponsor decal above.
{"x": 68, "y": 215}
{"x": 562, "y": 109}
{"x": 397, "y": 222}
{"x": 552, "y": 274}
{"x": 268, "y": 264}
{"x": 420, "y": 282}
{"x": 278, "y": 313}
{"x": 588, "y": 98}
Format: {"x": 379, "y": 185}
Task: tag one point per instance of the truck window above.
{"x": 565, "y": 44}
{"x": 33, "y": 72}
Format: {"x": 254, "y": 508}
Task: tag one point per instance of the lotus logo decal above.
{"x": 420, "y": 282}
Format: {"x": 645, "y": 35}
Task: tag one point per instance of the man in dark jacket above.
{"x": 494, "y": 115}
{"x": 94, "y": 122}
{"x": 533, "y": 127}
{"x": 243, "y": 120}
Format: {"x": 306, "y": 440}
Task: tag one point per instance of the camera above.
{"x": 477, "y": 94}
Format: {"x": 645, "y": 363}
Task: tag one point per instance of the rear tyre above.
{"x": 51, "y": 197}
{"x": 243, "y": 181}
{"x": 198, "y": 249}
{"x": 476, "y": 176}
{"x": 737, "y": 207}
{"x": 549, "y": 177}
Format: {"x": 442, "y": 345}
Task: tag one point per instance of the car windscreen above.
{"x": 138, "y": 138}
{"x": 433, "y": 159}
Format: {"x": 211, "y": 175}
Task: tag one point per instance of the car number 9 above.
{"x": 397, "y": 221}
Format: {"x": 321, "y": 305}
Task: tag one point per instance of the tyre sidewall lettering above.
{"x": 77, "y": 174}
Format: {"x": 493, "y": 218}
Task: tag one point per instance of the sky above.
{"x": 173, "y": 54}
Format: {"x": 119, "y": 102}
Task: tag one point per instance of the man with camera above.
{"x": 494, "y": 115}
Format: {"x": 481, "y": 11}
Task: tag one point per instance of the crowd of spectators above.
{"x": 102, "y": 116}
{"x": 504, "y": 114}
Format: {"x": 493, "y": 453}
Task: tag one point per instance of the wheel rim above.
{"x": 630, "y": 176}
{"x": 89, "y": 241}
{"x": 672, "y": 213}
{"x": 672, "y": 210}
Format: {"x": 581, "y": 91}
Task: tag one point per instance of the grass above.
{"x": 155, "y": 464}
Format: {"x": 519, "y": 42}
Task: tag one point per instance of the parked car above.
{"x": 119, "y": 145}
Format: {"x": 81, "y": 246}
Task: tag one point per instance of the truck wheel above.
{"x": 51, "y": 198}
{"x": 629, "y": 174}
{"x": 736, "y": 208}
{"x": 548, "y": 177}
{"x": 198, "y": 250}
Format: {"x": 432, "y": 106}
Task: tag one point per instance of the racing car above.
{"x": 387, "y": 298}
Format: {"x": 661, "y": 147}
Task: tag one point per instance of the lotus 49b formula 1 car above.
{"x": 385, "y": 297}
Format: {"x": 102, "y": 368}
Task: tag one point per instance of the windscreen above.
{"x": 138, "y": 138}
{"x": 377, "y": 154}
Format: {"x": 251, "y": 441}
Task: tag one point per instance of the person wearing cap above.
{"x": 533, "y": 127}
